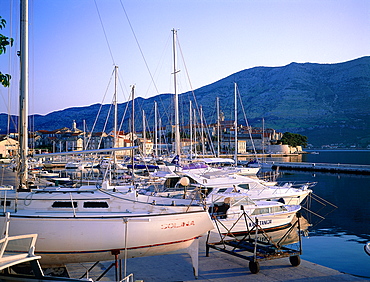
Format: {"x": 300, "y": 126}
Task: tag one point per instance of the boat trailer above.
{"x": 260, "y": 249}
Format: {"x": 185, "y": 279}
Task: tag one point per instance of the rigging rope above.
{"x": 141, "y": 51}
{"x": 105, "y": 34}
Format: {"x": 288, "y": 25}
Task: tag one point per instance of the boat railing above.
{"x": 297, "y": 185}
{"x": 128, "y": 278}
{"x": 16, "y": 249}
{"x": 15, "y": 245}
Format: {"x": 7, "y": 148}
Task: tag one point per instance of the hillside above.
{"x": 329, "y": 103}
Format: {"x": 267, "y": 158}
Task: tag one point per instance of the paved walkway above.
{"x": 217, "y": 267}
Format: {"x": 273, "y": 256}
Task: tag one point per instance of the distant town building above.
{"x": 249, "y": 139}
{"x": 8, "y": 147}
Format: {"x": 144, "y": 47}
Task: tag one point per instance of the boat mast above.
{"x": 155, "y": 129}
{"x": 144, "y": 135}
{"x": 191, "y": 129}
{"x": 235, "y": 124}
{"x": 23, "y": 99}
{"x": 202, "y": 131}
{"x": 196, "y": 130}
{"x": 177, "y": 123}
{"x": 132, "y": 131}
{"x": 115, "y": 114}
{"x": 160, "y": 137}
{"x": 218, "y": 126}
{"x": 84, "y": 139}
{"x": 263, "y": 140}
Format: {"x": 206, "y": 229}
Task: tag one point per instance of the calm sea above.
{"x": 338, "y": 240}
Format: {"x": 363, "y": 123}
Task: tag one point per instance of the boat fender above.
{"x": 184, "y": 181}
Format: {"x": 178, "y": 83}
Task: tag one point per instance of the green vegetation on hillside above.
{"x": 293, "y": 139}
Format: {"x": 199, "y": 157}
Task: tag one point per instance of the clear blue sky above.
{"x": 71, "y": 63}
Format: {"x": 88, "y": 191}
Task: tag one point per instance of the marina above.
{"x": 119, "y": 210}
{"x": 223, "y": 267}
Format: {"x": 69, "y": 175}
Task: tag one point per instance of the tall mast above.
{"x": 84, "y": 140}
{"x": 115, "y": 114}
{"x": 202, "y": 131}
{"x": 155, "y": 129}
{"x": 195, "y": 121}
{"x": 132, "y": 130}
{"x": 177, "y": 122}
{"x": 23, "y": 99}
{"x": 160, "y": 135}
{"x": 144, "y": 134}
{"x": 218, "y": 126}
{"x": 115, "y": 106}
{"x": 263, "y": 139}
{"x": 191, "y": 129}
{"x": 235, "y": 124}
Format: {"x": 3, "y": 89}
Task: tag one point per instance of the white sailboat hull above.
{"x": 65, "y": 239}
{"x": 86, "y": 225}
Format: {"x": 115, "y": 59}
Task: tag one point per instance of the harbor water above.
{"x": 338, "y": 240}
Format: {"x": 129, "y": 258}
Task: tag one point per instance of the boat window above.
{"x": 67, "y": 204}
{"x": 278, "y": 209}
{"x": 244, "y": 186}
{"x": 260, "y": 211}
{"x": 7, "y": 203}
{"x": 221, "y": 190}
{"x": 206, "y": 190}
{"x": 171, "y": 182}
{"x": 96, "y": 205}
{"x": 247, "y": 202}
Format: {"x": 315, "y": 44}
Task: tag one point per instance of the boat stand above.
{"x": 261, "y": 250}
{"x": 117, "y": 264}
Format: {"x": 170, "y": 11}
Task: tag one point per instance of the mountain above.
{"x": 329, "y": 103}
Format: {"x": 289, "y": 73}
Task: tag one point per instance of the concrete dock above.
{"x": 217, "y": 267}
{"x": 325, "y": 167}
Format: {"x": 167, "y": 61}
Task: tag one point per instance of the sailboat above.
{"x": 90, "y": 224}
{"x": 86, "y": 225}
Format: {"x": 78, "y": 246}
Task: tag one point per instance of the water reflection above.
{"x": 350, "y": 193}
{"x": 291, "y": 158}
{"x": 337, "y": 240}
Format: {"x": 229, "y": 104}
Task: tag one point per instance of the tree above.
{"x": 4, "y": 42}
{"x": 294, "y": 139}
